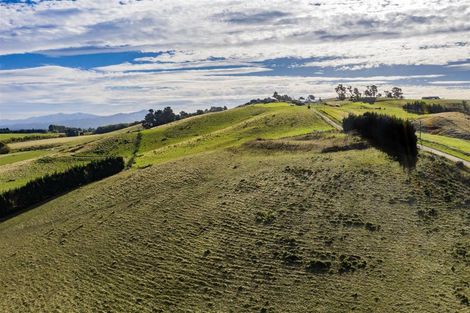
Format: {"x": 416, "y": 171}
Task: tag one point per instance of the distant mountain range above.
{"x": 81, "y": 120}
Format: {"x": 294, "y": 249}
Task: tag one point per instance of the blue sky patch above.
{"x": 83, "y": 61}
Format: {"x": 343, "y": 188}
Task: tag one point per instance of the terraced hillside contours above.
{"x": 246, "y": 230}
{"x": 452, "y": 124}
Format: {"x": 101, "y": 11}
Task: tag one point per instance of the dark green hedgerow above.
{"x": 421, "y": 107}
{"x": 52, "y": 185}
{"x": 394, "y": 136}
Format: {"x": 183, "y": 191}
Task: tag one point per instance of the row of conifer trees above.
{"x": 394, "y": 136}
{"x": 421, "y": 107}
{"x": 49, "y": 186}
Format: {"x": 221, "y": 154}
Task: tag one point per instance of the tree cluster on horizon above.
{"x": 371, "y": 93}
{"x": 22, "y": 131}
{"x": 276, "y": 97}
{"x": 165, "y": 116}
{"x": 421, "y": 107}
{"x": 68, "y": 131}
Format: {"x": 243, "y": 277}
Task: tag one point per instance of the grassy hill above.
{"x": 447, "y": 132}
{"x": 243, "y": 211}
{"x": 245, "y": 230}
{"x": 226, "y": 129}
{"x": 451, "y": 124}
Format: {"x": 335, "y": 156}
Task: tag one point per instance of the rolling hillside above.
{"x": 243, "y": 211}
{"x": 447, "y": 132}
{"x": 452, "y": 124}
{"x": 226, "y": 129}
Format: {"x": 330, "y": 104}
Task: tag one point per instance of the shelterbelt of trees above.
{"x": 52, "y": 185}
{"x": 394, "y": 136}
{"x": 22, "y": 131}
{"x": 421, "y": 107}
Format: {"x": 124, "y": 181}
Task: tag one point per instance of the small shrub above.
{"x": 351, "y": 263}
{"x": 290, "y": 258}
{"x": 4, "y": 149}
{"x": 372, "y": 227}
{"x": 369, "y": 100}
{"x": 45, "y": 160}
{"x": 265, "y": 218}
{"x": 318, "y": 266}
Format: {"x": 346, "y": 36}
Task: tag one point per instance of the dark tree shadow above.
{"x": 392, "y": 135}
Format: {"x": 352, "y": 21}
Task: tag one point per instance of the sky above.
{"x": 112, "y": 56}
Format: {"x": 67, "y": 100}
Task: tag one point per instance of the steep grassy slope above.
{"x": 226, "y": 129}
{"x": 248, "y": 230}
{"x": 452, "y": 124}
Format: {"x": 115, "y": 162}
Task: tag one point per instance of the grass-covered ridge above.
{"x": 226, "y": 129}
{"x": 450, "y": 124}
{"x": 248, "y": 230}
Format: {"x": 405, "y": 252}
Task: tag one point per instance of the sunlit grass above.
{"x": 454, "y": 146}
{"x": 18, "y": 174}
{"x": 21, "y": 156}
{"x": 9, "y": 136}
{"x": 227, "y": 129}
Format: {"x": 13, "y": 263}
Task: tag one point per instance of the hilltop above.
{"x": 263, "y": 208}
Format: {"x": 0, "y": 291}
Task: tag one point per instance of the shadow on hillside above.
{"x": 394, "y": 136}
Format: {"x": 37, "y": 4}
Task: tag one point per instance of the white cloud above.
{"x": 450, "y": 82}
{"x": 353, "y": 34}
{"x": 385, "y": 31}
{"x": 52, "y": 88}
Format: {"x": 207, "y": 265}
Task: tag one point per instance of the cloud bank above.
{"x": 112, "y": 56}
